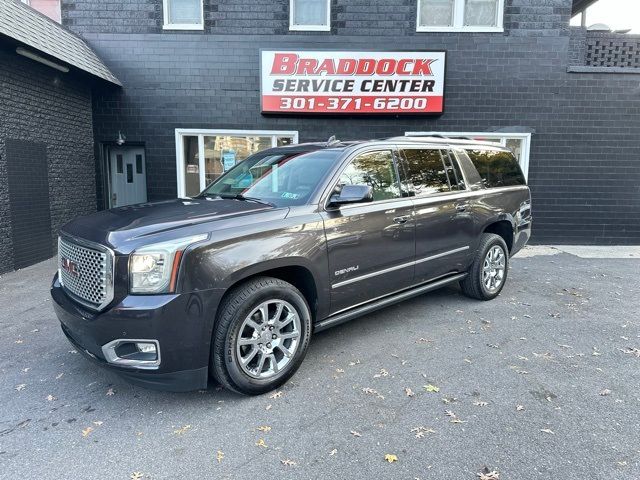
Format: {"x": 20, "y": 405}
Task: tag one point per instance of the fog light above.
{"x": 133, "y": 353}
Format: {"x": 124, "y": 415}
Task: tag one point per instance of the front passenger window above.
{"x": 375, "y": 169}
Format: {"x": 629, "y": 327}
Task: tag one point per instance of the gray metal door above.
{"x": 128, "y": 176}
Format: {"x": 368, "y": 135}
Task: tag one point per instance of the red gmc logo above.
{"x": 70, "y": 267}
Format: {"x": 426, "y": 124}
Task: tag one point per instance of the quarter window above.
{"x": 183, "y": 15}
{"x": 460, "y": 15}
{"x": 310, "y": 15}
{"x": 376, "y": 169}
{"x": 497, "y": 168}
{"x": 425, "y": 171}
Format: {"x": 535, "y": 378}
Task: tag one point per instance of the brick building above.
{"x": 565, "y": 99}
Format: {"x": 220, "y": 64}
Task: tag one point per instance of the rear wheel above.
{"x": 488, "y": 272}
{"x": 261, "y": 336}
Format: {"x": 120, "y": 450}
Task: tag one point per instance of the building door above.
{"x": 128, "y": 176}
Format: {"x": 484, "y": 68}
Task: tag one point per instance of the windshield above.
{"x": 282, "y": 179}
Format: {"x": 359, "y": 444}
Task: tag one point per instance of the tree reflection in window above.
{"x": 425, "y": 171}
{"x": 497, "y": 168}
{"x": 375, "y": 169}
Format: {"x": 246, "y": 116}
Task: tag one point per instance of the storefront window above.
{"x": 220, "y": 150}
{"x": 183, "y": 14}
{"x": 436, "y": 13}
{"x": 480, "y": 13}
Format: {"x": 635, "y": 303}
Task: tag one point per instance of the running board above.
{"x": 385, "y": 301}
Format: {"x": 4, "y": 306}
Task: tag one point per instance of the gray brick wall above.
{"x": 271, "y": 17}
{"x": 39, "y": 104}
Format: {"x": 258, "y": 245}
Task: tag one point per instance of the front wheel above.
{"x": 261, "y": 336}
{"x": 488, "y": 272}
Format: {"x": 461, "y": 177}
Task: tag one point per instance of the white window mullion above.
{"x": 201, "y": 162}
{"x": 458, "y": 14}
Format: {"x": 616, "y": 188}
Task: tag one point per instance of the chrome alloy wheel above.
{"x": 493, "y": 268}
{"x": 268, "y": 339}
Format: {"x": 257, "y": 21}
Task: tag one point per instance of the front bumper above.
{"x": 181, "y": 324}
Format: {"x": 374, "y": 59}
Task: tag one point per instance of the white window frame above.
{"x": 458, "y": 21}
{"x": 309, "y": 28}
{"x": 502, "y": 136}
{"x": 181, "y": 26}
{"x": 201, "y": 133}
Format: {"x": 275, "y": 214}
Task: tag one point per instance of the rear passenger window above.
{"x": 376, "y": 169}
{"x": 497, "y": 168}
{"x": 425, "y": 171}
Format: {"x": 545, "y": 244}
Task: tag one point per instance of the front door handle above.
{"x": 401, "y": 220}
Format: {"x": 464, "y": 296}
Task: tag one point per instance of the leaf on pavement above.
{"x": 219, "y": 456}
{"x": 409, "y": 392}
{"x": 59, "y": 376}
{"x": 20, "y": 387}
{"x": 87, "y": 431}
{"x": 356, "y": 434}
{"x": 333, "y": 452}
{"x": 488, "y": 475}
{"x": 51, "y": 398}
{"x": 390, "y": 457}
{"x": 264, "y": 428}
{"x": 480, "y": 404}
{"x": 136, "y": 475}
{"x": 287, "y": 462}
{"x": 111, "y": 392}
{"x": 383, "y": 373}
{"x": 98, "y": 423}
{"x": 276, "y": 394}
{"x": 605, "y": 392}
{"x": 431, "y": 388}
{"x": 519, "y": 408}
{"x": 547, "y": 430}
{"x": 182, "y": 431}
{"x": 260, "y": 443}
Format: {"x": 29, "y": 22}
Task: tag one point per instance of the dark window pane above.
{"x": 118, "y": 163}
{"x": 139, "y": 163}
{"x": 129, "y": 173}
{"x": 425, "y": 171}
{"x": 456, "y": 180}
{"x": 497, "y": 168}
{"x": 375, "y": 169}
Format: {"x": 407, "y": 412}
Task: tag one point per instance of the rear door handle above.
{"x": 401, "y": 220}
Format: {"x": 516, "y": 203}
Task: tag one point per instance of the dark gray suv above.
{"x": 232, "y": 283}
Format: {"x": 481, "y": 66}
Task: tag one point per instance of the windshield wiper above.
{"x": 239, "y": 196}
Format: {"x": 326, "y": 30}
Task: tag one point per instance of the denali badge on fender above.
{"x": 232, "y": 283}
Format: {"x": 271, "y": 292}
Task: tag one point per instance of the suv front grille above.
{"x": 86, "y": 272}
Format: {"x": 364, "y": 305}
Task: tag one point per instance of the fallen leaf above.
{"x": 632, "y": 351}
{"x": 87, "y": 431}
{"x": 268, "y": 407}
{"x": 98, "y": 423}
{"x": 264, "y": 428}
{"x": 19, "y": 341}
{"x": 480, "y": 404}
{"x": 383, "y": 373}
{"x": 371, "y": 391}
{"x": 605, "y": 392}
{"x": 59, "y": 376}
{"x": 136, "y": 475}
{"x": 448, "y": 400}
{"x": 390, "y": 457}
{"x": 260, "y": 443}
{"x": 356, "y": 434}
{"x": 35, "y": 330}
{"x": 276, "y": 395}
{"x": 219, "y": 456}
{"x": 519, "y": 408}
{"x": 547, "y": 430}
{"x": 431, "y": 388}
{"x": 111, "y": 392}
{"x": 409, "y": 392}
{"x": 51, "y": 398}
{"x": 182, "y": 431}
{"x": 339, "y": 370}
{"x": 333, "y": 452}
{"x": 21, "y": 387}
{"x": 25, "y": 370}
{"x": 488, "y": 475}
{"x": 287, "y": 462}
{"x": 351, "y": 364}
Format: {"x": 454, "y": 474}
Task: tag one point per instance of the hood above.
{"x": 122, "y": 225}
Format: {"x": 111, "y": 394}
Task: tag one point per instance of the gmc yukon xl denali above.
{"x": 233, "y": 282}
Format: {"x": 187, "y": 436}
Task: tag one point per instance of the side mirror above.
{"x": 352, "y": 194}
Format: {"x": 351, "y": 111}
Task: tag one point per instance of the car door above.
{"x": 445, "y": 226}
{"x": 371, "y": 245}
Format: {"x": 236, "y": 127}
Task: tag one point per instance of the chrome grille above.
{"x": 86, "y": 272}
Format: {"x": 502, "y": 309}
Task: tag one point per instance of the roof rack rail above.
{"x": 333, "y": 141}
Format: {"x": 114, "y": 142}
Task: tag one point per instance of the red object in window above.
{"x": 50, "y": 8}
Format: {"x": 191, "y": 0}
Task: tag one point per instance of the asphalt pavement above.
{"x": 541, "y": 383}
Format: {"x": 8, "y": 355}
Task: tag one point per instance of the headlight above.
{"x": 154, "y": 268}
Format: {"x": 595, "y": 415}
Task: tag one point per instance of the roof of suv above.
{"x": 432, "y": 139}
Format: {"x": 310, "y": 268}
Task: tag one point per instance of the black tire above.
{"x": 473, "y": 285}
{"x": 225, "y": 365}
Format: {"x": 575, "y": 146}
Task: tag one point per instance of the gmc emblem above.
{"x": 70, "y": 267}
